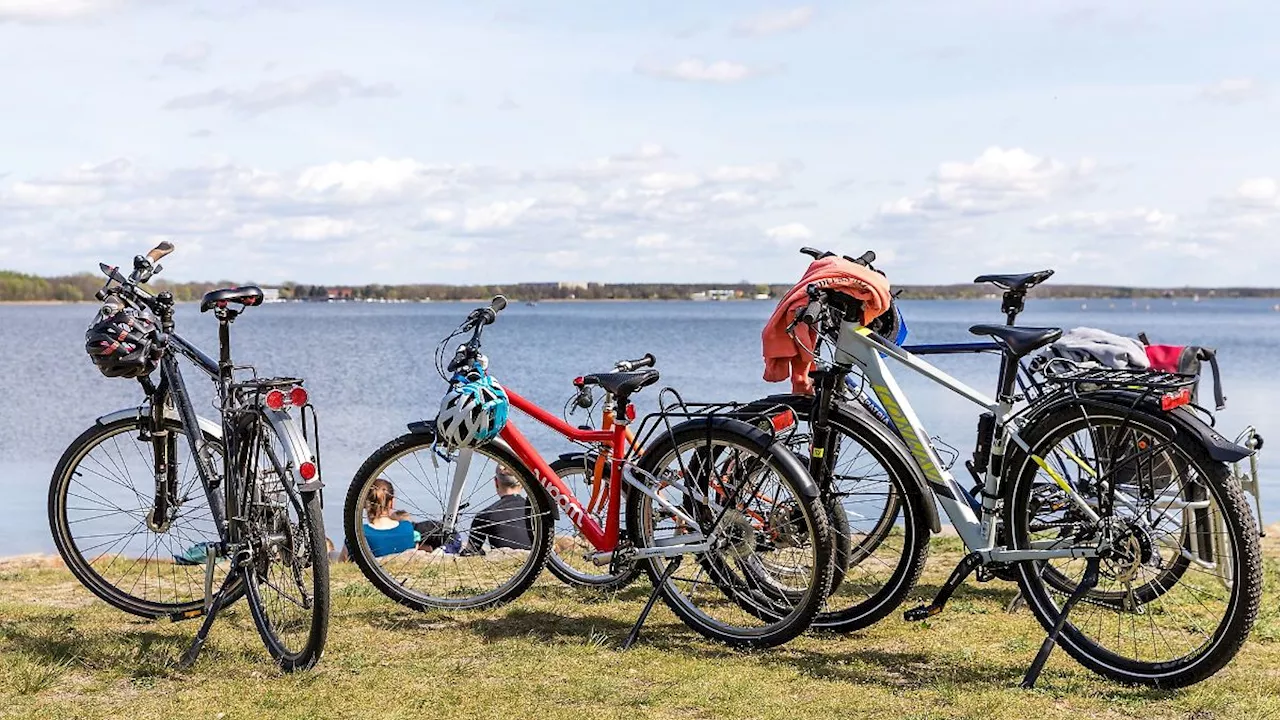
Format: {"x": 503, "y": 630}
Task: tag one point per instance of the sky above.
{"x": 481, "y": 142}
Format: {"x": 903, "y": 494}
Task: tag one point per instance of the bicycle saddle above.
{"x": 1025, "y": 281}
{"x": 623, "y": 383}
{"x": 247, "y": 296}
{"x": 1020, "y": 340}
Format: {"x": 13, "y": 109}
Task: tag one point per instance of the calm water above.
{"x": 369, "y": 369}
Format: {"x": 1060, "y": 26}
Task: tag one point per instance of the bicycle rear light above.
{"x": 274, "y": 400}
{"x": 783, "y": 420}
{"x": 298, "y": 397}
{"x": 1175, "y": 399}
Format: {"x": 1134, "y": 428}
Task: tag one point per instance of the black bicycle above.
{"x": 164, "y": 529}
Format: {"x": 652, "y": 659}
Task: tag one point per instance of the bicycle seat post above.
{"x": 225, "y": 316}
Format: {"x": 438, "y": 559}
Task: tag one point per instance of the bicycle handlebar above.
{"x": 865, "y": 259}
{"x": 629, "y": 365}
{"x": 160, "y": 251}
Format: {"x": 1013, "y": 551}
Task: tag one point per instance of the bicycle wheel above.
{"x": 100, "y": 502}
{"x": 1187, "y": 630}
{"x": 770, "y": 564}
{"x": 287, "y": 573}
{"x": 873, "y": 499}
{"x": 494, "y": 552}
{"x": 570, "y": 560}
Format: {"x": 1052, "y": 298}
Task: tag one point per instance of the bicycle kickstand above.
{"x": 212, "y": 606}
{"x": 962, "y": 571}
{"x": 648, "y": 606}
{"x": 1087, "y": 583}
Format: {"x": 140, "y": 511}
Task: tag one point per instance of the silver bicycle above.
{"x": 1104, "y": 494}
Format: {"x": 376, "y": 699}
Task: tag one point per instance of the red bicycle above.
{"x": 725, "y": 521}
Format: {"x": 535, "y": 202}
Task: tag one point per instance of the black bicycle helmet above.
{"x": 122, "y": 343}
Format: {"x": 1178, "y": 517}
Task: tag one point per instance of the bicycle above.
{"x": 465, "y": 556}
{"x": 153, "y": 531}
{"x": 1098, "y": 468}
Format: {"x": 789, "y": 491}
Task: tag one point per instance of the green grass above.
{"x": 553, "y": 654}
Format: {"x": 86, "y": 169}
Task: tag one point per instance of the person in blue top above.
{"x": 384, "y": 531}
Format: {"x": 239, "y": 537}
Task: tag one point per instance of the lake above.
{"x": 370, "y": 370}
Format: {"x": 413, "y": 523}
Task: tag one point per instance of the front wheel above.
{"x": 1181, "y": 580}
{"x": 100, "y": 502}
{"x": 397, "y": 529}
{"x": 769, "y": 563}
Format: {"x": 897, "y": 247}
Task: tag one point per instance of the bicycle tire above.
{"x": 310, "y": 548}
{"x": 358, "y": 549}
{"x": 782, "y": 624}
{"x": 83, "y": 568}
{"x": 566, "y": 573}
{"x": 1243, "y": 596}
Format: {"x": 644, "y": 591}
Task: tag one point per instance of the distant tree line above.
{"x": 18, "y": 287}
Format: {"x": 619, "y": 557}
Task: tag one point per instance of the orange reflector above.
{"x": 1176, "y": 399}
{"x": 783, "y": 420}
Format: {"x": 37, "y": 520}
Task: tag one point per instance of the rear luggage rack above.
{"x": 1087, "y": 379}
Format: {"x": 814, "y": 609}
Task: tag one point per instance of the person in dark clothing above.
{"x": 504, "y": 523}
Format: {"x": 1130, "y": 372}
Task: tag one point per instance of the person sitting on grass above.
{"x": 386, "y": 530}
{"x": 504, "y": 524}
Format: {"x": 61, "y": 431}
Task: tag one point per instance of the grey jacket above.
{"x": 1108, "y": 349}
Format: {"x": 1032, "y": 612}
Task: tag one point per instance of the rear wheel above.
{"x": 459, "y": 568}
{"x": 287, "y": 574}
{"x": 769, "y": 565}
{"x": 1180, "y": 586}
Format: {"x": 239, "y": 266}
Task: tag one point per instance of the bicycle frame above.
{"x": 604, "y": 539}
{"x": 857, "y": 345}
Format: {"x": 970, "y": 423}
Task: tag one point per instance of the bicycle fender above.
{"x": 295, "y": 446}
{"x": 1178, "y": 420}
{"x": 208, "y": 426}
{"x": 858, "y": 418}
{"x": 775, "y": 448}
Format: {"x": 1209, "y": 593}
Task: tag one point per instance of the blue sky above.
{"x": 490, "y": 142}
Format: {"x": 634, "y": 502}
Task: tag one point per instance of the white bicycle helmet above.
{"x": 472, "y": 413}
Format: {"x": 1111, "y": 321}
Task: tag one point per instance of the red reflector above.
{"x": 307, "y": 470}
{"x": 298, "y": 397}
{"x": 1176, "y": 399}
{"x": 631, "y": 412}
{"x": 578, "y": 381}
{"x": 274, "y": 400}
{"x": 783, "y": 420}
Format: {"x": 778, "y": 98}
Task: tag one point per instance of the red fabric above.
{"x": 1165, "y": 358}
{"x": 786, "y": 357}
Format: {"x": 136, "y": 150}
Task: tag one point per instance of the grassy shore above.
{"x": 552, "y": 654}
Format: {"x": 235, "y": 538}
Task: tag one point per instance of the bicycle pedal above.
{"x": 188, "y": 615}
{"x": 922, "y": 613}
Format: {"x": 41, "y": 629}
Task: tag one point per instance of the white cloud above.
{"x": 192, "y": 57}
{"x": 320, "y": 90}
{"x": 699, "y": 70}
{"x": 1233, "y": 91}
{"x": 1261, "y": 191}
{"x": 789, "y": 233}
{"x": 998, "y": 180}
{"x": 654, "y": 240}
{"x": 774, "y": 22}
{"x": 368, "y": 180}
{"x": 764, "y": 173}
{"x": 1138, "y": 222}
{"x": 663, "y": 182}
{"x": 51, "y": 11}
{"x": 496, "y": 215}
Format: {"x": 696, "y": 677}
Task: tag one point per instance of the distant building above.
{"x": 341, "y": 293}
{"x": 714, "y": 295}
{"x": 571, "y": 286}
{"x": 271, "y": 295}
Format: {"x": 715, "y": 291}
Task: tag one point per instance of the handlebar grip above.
{"x": 816, "y": 254}
{"x": 160, "y": 251}
{"x": 867, "y": 258}
{"x": 812, "y": 312}
{"x": 628, "y": 365}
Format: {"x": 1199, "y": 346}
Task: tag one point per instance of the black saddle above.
{"x": 624, "y": 383}
{"x": 248, "y": 295}
{"x": 1022, "y": 282}
{"x": 1020, "y": 340}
